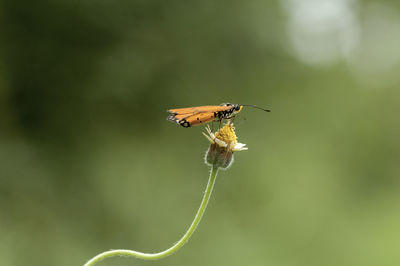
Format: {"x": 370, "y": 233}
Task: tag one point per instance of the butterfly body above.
{"x": 193, "y": 116}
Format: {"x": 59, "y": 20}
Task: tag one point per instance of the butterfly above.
{"x": 194, "y": 116}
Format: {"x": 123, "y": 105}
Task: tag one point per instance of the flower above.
{"x": 223, "y": 145}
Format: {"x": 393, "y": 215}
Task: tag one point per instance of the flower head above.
{"x": 223, "y": 144}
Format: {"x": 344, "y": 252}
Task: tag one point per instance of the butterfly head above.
{"x": 234, "y": 109}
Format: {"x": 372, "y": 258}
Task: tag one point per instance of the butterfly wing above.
{"x": 187, "y": 120}
{"x": 200, "y": 118}
{"x": 193, "y": 116}
{"x": 198, "y": 109}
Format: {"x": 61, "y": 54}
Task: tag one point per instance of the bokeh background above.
{"x": 88, "y": 162}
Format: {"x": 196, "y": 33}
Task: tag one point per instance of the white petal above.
{"x": 221, "y": 143}
{"x": 240, "y": 147}
{"x": 208, "y": 130}
{"x": 209, "y": 139}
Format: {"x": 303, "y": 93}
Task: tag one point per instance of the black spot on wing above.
{"x": 184, "y": 123}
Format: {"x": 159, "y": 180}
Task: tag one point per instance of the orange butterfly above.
{"x": 193, "y": 116}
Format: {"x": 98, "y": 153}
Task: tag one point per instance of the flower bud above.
{"x": 223, "y": 144}
{"x": 219, "y": 157}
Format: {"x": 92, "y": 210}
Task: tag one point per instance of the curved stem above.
{"x": 175, "y": 247}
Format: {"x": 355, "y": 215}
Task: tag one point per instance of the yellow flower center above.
{"x": 227, "y": 134}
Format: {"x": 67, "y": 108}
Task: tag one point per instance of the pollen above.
{"x": 227, "y": 134}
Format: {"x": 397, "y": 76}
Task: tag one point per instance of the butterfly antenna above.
{"x": 255, "y": 106}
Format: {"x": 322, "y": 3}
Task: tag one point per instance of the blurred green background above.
{"x": 89, "y": 163}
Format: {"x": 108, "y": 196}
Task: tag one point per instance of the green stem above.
{"x": 175, "y": 247}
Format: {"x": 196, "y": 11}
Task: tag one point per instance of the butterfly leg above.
{"x": 233, "y": 118}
